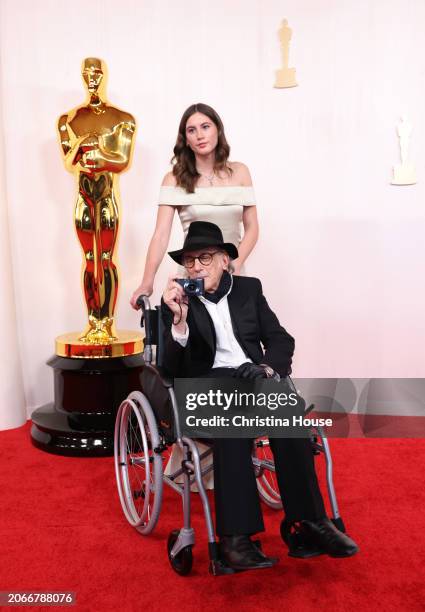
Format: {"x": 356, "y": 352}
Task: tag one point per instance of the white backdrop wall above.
{"x": 12, "y": 400}
{"x": 341, "y": 251}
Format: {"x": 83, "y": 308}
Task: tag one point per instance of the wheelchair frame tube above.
{"x": 186, "y": 487}
{"x": 195, "y": 465}
{"x": 175, "y": 413}
{"x": 143, "y": 302}
{"x": 329, "y": 473}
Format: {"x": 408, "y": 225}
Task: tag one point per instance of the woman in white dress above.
{"x": 202, "y": 186}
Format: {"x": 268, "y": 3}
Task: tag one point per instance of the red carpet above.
{"x": 62, "y": 528}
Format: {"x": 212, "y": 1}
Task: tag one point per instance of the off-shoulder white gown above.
{"x": 224, "y": 207}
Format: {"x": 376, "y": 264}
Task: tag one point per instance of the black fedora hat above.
{"x": 203, "y": 234}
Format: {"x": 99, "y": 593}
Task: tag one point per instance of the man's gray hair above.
{"x": 230, "y": 267}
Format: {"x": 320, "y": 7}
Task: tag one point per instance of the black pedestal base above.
{"x": 51, "y": 431}
{"x": 88, "y": 392}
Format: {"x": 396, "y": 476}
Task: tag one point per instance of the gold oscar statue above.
{"x": 404, "y": 173}
{"x": 97, "y": 142}
{"x": 285, "y": 77}
{"x": 94, "y": 370}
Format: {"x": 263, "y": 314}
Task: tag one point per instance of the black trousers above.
{"x": 237, "y": 504}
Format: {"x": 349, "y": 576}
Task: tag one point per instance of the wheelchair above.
{"x": 147, "y": 425}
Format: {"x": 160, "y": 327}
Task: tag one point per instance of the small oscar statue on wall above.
{"x": 285, "y": 77}
{"x": 404, "y": 173}
{"x": 97, "y": 367}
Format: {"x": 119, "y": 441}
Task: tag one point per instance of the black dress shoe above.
{"x": 299, "y": 545}
{"x": 257, "y": 544}
{"x": 306, "y": 539}
{"x": 328, "y": 538}
{"x": 240, "y": 553}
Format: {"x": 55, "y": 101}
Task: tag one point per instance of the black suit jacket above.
{"x": 255, "y": 326}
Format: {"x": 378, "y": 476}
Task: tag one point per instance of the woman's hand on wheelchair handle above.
{"x": 141, "y": 290}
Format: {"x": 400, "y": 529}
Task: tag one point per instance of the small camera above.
{"x": 191, "y": 286}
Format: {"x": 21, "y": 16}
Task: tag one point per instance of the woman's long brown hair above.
{"x": 184, "y": 166}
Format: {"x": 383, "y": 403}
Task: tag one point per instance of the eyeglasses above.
{"x": 204, "y": 259}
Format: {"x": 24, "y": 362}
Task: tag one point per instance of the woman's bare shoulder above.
{"x": 169, "y": 180}
{"x": 241, "y": 174}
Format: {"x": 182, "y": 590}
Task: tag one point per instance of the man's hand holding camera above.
{"x": 177, "y": 301}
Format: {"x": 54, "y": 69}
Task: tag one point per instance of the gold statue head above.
{"x": 94, "y": 74}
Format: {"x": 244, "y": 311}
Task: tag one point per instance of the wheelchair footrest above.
{"x": 218, "y": 568}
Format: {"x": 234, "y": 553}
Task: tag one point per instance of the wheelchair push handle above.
{"x": 145, "y": 321}
{"x": 143, "y": 303}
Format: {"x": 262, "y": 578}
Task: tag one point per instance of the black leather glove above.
{"x": 250, "y": 370}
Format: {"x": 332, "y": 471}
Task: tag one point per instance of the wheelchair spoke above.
{"x": 268, "y": 488}
{"x": 136, "y": 468}
{"x": 269, "y": 476}
{"x": 136, "y": 438}
{"x": 135, "y": 472}
{"x": 270, "y": 482}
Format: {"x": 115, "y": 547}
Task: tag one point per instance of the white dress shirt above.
{"x": 229, "y": 353}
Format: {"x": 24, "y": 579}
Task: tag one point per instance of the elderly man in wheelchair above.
{"x": 221, "y": 333}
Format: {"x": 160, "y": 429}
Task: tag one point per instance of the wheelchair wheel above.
{"x": 138, "y": 463}
{"x": 268, "y": 488}
{"x": 183, "y": 561}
